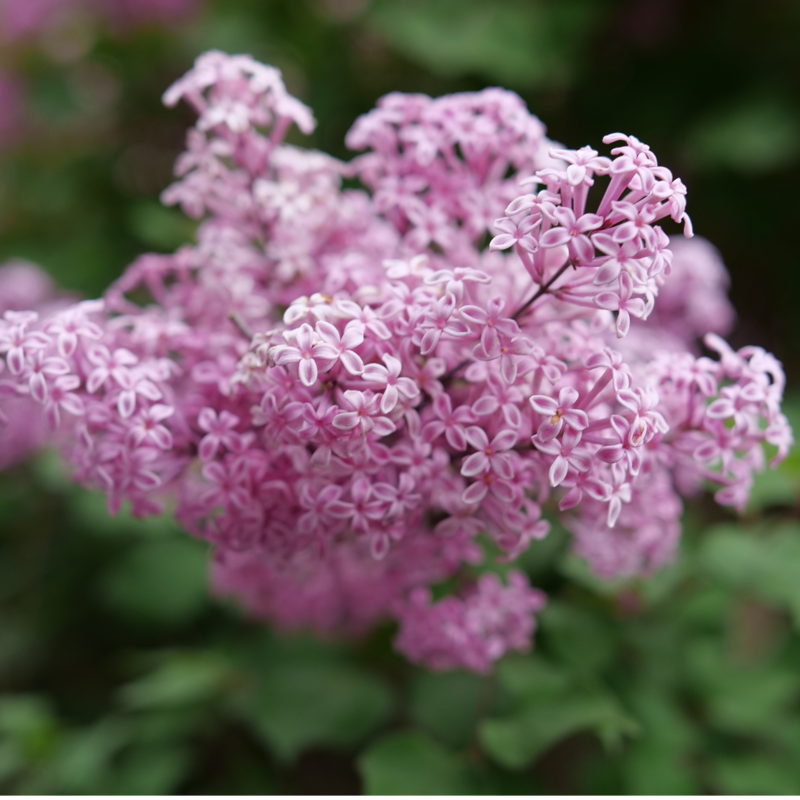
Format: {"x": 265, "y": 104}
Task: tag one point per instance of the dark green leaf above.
{"x": 448, "y": 704}
{"x": 162, "y": 581}
{"x": 182, "y": 679}
{"x": 581, "y": 638}
{"x": 548, "y": 705}
{"x": 516, "y": 43}
{"x": 516, "y": 739}
{"x": 149, "y": 771}
{"x": 754, "y": 775}
{"x": 660, "y": 760}
{"x": 298, "y": 704}
{"x": 765, "y": 564}
{"x": 28, "y": 721}
{"x": 12, "y": 760}
{"x": 84, "y": 759}
{"x": 413, "y": 764}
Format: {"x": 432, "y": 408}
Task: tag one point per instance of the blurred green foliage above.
{"x": 120, "y": 675}
{"x": 513, "y": 42}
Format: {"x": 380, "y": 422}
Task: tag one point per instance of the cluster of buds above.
{"x": 356, "y": 395}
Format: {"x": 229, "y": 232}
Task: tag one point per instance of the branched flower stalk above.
{"x": 348, "y": 396}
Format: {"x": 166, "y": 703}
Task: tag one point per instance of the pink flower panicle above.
{"x": 470, "y": 632}
{"x": 349, "y": 396}
{"x": 612, "y": 257}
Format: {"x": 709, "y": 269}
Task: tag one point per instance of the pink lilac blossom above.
{"x": 22, "y": 425}
{"x": 352, "y": 396}
{"x": 471, "y": 632}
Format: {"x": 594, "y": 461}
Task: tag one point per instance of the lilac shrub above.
{"x": 354, "y": 395}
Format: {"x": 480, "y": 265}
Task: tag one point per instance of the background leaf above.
{"x": 765, "y": 565}
{"x": 298, "y": 704}
{"x": 513, "y": 42}
{"x": 549, "y": 707}
{"x": 449, "y": 705}
{"x": 411, "y": 763}
{"x": 162, "y": 581}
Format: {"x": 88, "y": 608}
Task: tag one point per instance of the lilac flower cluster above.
{"x": 22, "y": 285}
{"x": 355, "y": 395}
